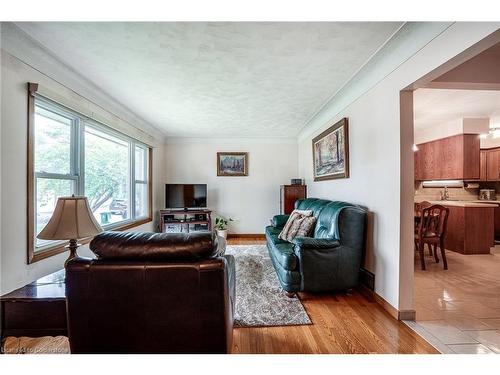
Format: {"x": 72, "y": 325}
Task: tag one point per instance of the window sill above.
{"x": 61, "y": 248}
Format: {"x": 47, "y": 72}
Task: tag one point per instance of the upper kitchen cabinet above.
{"x": 451, "y": 158}
{"x": 483, "y": 170}
{"x": 492, "y": 164}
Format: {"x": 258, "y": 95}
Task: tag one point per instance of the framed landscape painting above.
{"x": 232, "y": 164}
{"x": 331, "y": 152}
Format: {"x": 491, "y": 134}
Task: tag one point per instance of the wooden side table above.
{"x": 37, "y": 309}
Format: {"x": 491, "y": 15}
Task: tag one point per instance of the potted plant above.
{"x": 221, "y": 225}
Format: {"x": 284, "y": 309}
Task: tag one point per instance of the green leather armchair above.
{"x": 329, "y": 260}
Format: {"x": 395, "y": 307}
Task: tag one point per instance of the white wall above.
{"x": 15, "y": 73}
{"x": 438, "y": 132}
{"x": 377, "y": 171}
{"x": 453, "y": 127}
{"x": 252, "y": 200}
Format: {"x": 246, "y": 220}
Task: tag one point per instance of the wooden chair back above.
{"x": 433, "y": 221}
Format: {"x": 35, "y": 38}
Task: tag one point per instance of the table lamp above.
{"x": 72, "y": 219}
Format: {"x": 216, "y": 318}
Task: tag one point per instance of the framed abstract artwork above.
{"x": 331, "y": 152}
{"x": 232, "y": 164}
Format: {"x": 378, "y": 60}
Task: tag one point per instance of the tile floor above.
{"x": 458, "y": 310}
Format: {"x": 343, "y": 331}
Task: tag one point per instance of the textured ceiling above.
{"x": 434, "y": 107}
{"x": 217, "y": 79}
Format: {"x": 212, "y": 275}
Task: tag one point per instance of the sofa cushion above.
{"x": 326, "y": 213}
{"x": 279, "y": 221}
{"x": 313, "y": 204}
{"x": 289, "y": 280}
{"x": 282, "y": 251}
{"x": 286, "y": 256}
{"x": 327, "y": 226}
{"x": 272, "y": 234}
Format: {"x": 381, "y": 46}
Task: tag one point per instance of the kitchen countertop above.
{"x": 485, "y": 201}
{"x": 475, "y": 203}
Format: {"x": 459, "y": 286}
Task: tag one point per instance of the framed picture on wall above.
{"x": 331, "y": 152}
{"x": 232, "y": 164}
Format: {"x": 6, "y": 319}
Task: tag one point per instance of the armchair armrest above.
{"x": 279, "y": 221}
{"x": 315, "y": 243}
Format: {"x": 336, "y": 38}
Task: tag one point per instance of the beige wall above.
{"x": 14, "y": 272}
{"x": 251, "y": 200}
{"x": 378, "y": 174}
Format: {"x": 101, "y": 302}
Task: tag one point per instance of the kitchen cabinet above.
{"x": 451, "y": 158}
{"x": 482, "y": 165}
{"x": 470, "y": 230}
{"x": 497, "y": 223}
{"x": 493, "y": 165}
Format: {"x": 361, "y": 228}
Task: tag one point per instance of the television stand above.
{"x": 183, "y": 219}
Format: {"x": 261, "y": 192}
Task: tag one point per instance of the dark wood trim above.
{"x": 133, "y": 224}
{"x": 51, "y": 251}
{"x": 258, "y": 236}
{"x": 31, "y": 90}
{"x": 219, "y": 173}
{"x": 345, "y": 123}
{"x": 150, "y": 182}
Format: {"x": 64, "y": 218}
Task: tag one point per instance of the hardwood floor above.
{"x": 343, "y": 323}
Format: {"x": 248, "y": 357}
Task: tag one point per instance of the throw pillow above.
{"x": 299, "y": 222}
{"x": 306, "y": 227}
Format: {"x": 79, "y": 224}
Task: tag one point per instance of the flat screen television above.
{"x": 185, "y": 196}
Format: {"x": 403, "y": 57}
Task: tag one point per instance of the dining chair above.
{"x": 418, "y": 207}
{"x": 431, "y": 230}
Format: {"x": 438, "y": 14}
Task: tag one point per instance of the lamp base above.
{"x": 73, "y": 245}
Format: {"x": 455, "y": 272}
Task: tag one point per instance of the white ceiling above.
{"x": 217, "y": 79}
{"x": 436, "y": 107}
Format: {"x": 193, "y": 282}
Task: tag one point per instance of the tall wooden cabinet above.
{"x": 451, "y": 158}
{"x": 288, "y": 195}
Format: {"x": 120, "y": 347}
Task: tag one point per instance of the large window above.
{"x": 74, "y": 155}
{"x": 107, "y": 176}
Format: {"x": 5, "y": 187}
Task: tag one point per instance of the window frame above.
{"x": 77, "y": 172}
{"x": 135, "y": 181}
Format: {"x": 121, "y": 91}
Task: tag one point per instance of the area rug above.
{"x": 260, "y": 301}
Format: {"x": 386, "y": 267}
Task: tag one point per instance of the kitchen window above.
{"x": 72, "y": 154}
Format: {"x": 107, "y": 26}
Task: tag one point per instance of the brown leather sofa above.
{"x": 151, "y": 293}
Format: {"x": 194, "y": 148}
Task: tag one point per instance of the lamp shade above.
{"x": 72, "y": 219}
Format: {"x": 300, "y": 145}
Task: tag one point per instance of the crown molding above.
{"x": 230, "y": 140}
